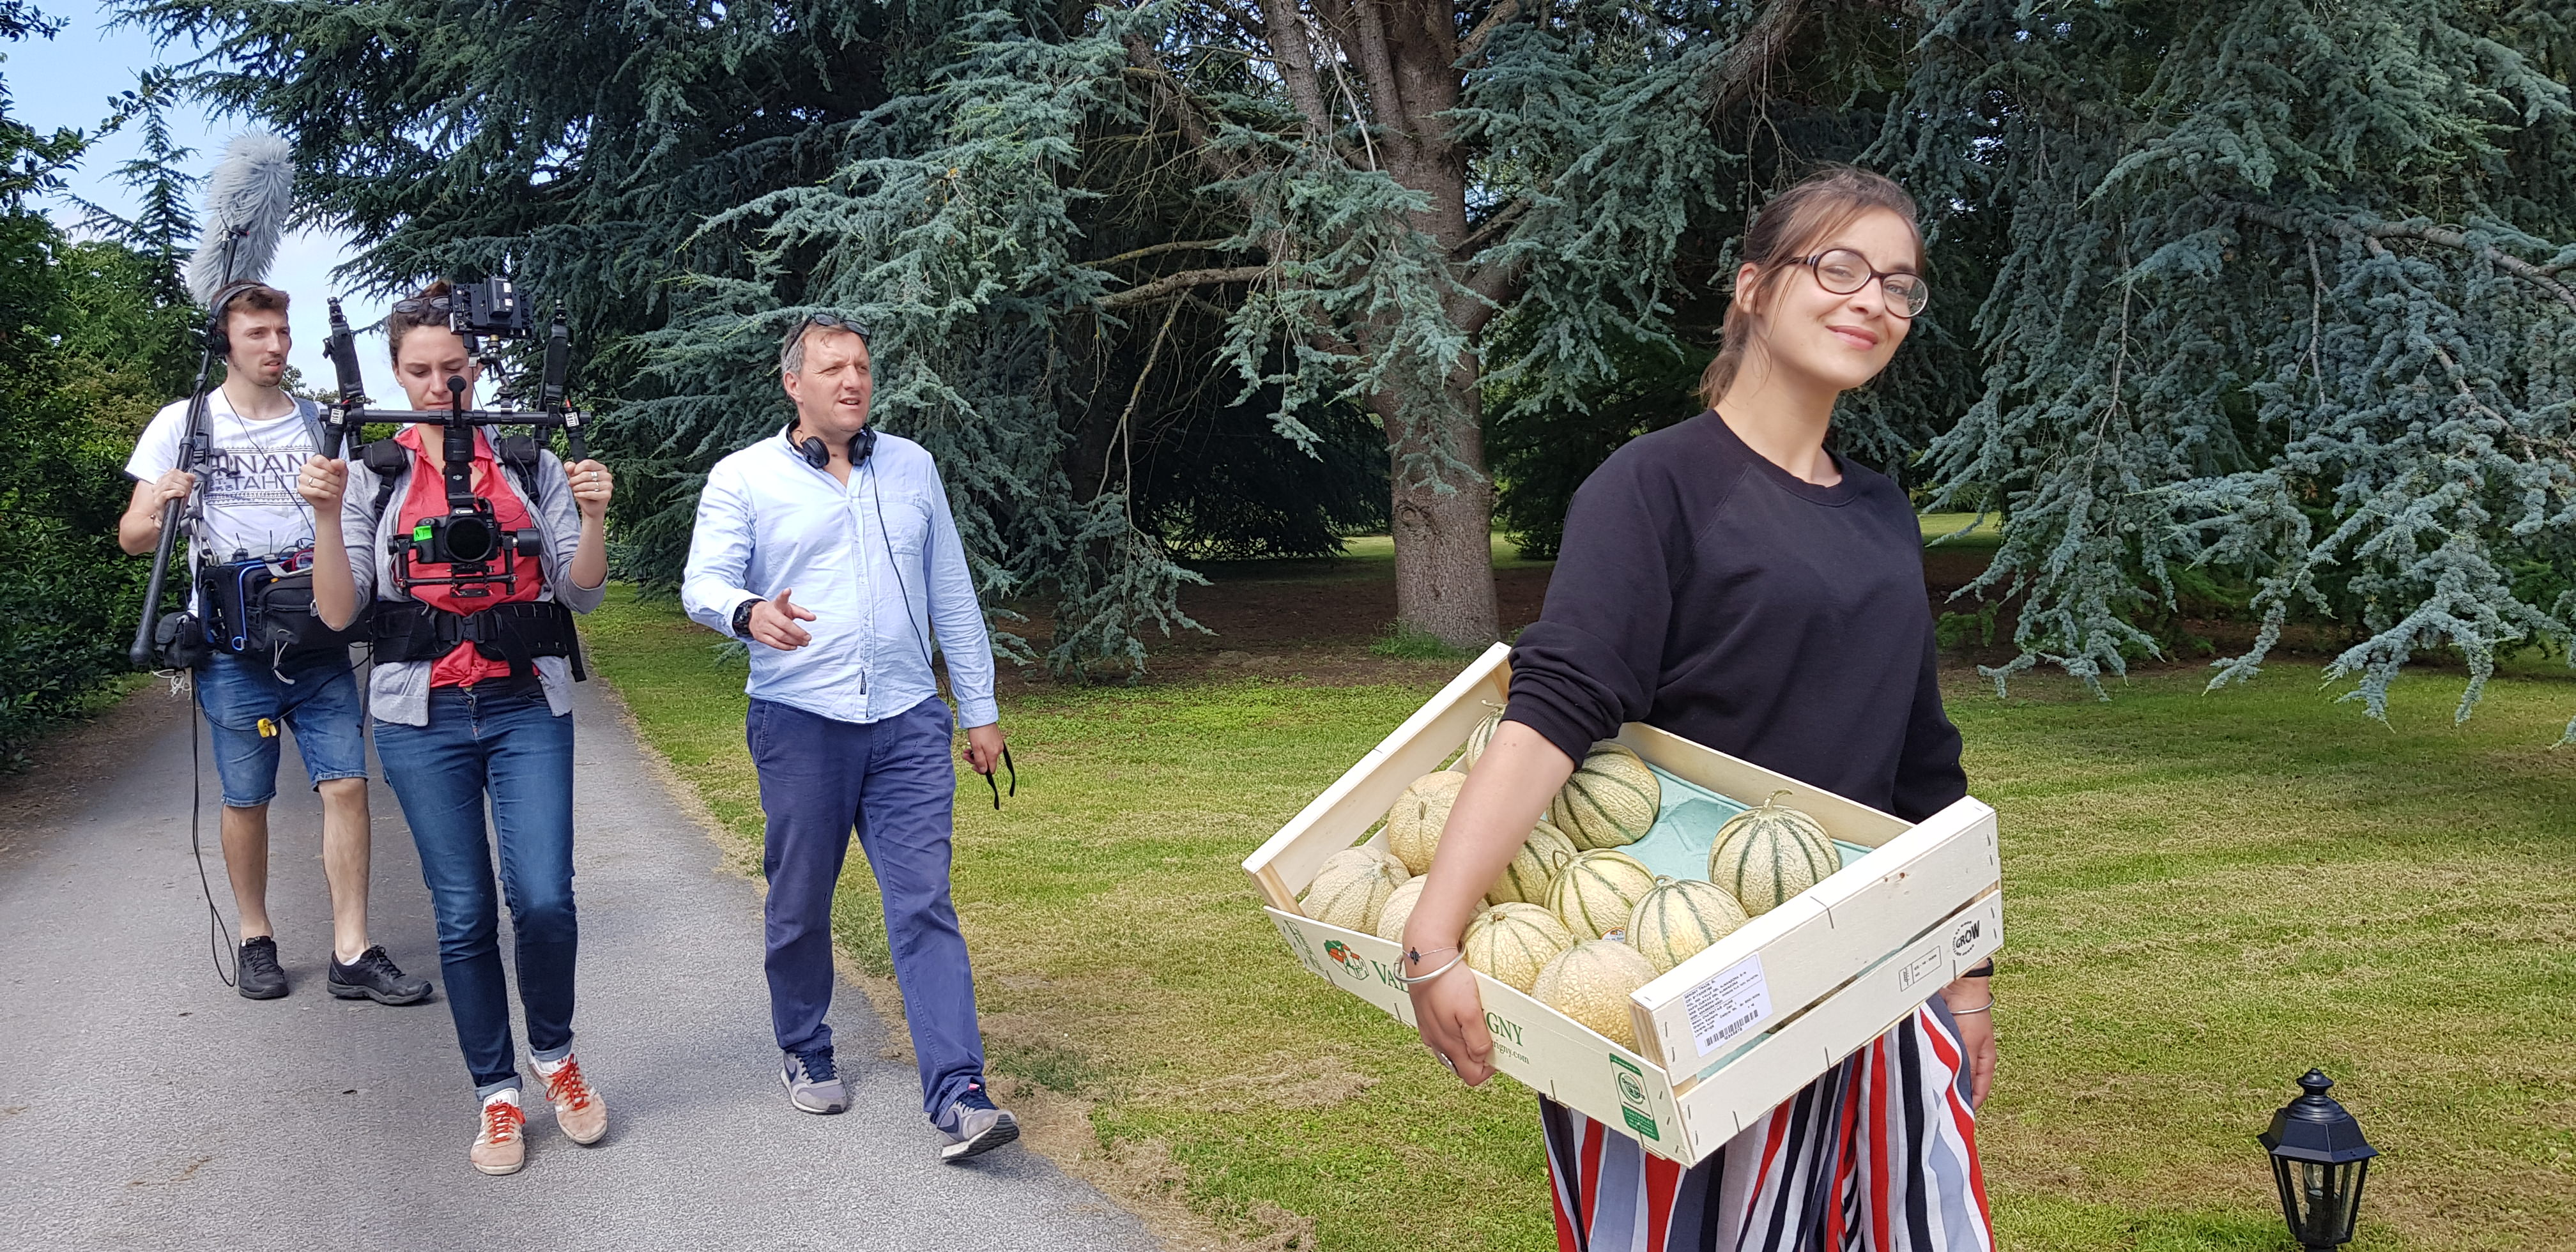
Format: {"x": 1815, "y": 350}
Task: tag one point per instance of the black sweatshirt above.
{"x": 1704, "y": 590}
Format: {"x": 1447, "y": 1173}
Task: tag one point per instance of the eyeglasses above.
{"x": 834, "y": 321}
{"x": 1843, "y": 272}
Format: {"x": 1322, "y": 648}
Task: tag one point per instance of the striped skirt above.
{"x": 1878, "y": 1155}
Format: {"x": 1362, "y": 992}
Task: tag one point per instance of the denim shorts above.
{"x": 316, "y": 697}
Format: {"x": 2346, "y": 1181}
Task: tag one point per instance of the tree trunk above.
{"x": 1444, "y": 562}
{"x": 1444, "y": 555}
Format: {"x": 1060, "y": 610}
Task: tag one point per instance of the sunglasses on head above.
{"x": 834, "y": 321}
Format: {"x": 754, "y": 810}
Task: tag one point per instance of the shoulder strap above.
{"x": 386, "y": 460}
{"x": 310, "y": 412}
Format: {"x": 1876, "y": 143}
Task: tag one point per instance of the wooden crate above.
{"x": 1734, "y": 1030}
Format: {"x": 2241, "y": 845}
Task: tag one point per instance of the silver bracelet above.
{"x": 1987, "y": 1007}
{"x": 1410, "y": 981}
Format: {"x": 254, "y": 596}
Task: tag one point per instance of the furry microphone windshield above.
{"x": 249, "y": 199}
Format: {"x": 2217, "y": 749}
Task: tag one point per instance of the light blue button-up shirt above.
{"x": 877, "y": 562}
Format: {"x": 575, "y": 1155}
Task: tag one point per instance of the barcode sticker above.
{"x": 1723, "y": 1008}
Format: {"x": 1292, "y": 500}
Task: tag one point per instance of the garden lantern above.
{"x": 2318, "y": 1160}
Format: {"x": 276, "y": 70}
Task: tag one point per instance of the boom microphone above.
{"x": 249, "y": 200}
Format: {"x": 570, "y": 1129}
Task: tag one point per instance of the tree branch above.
{"x": 1182, "y": 281}
{"x": 1179, "y": 245}
{"x": 1173, "y": 98}
{"x": 1500, "y": 221}
{"x": 1502, "y": 14}
{"x": 2284, "y": 219}
{"x": 1249, "y": 24}
{"x": 1296, "y": 55}
{"x": 1362, "y": 40}
{"x": 2294, "y": 221}
{"x": 1750, "y": 60}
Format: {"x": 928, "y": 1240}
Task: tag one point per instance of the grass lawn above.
{"x": 2206, "y": 895}
{"x": 1948, "y": 527}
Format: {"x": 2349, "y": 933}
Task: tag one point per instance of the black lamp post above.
{"x": 2318, "y": 1160}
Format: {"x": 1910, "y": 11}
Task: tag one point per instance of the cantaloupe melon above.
{"x": 1597, "y": 890}
{"x": 1764, "y": 856}
{"x": 1350, "y": 890}
{"x": 1525, "y": 880}
{"x": 1399, "y": 909}
{"x": 1479, "y": 739}
{"x": 1610, "y": 802}
{"x": 1513, "y": 942}
{"x": 1591, "y": 983}
{"x": 1366, "y": 855}
{"x": 1413, "y": 823}
{"x": 1679, "y": 918}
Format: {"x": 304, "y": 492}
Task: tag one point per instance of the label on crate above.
{"x": 1632, "y": 1098}
{"x": 1723, "y": 1008}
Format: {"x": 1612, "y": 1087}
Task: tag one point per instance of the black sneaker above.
{"x": 373, "y": 976}
{"x": 256, "y": 974}
{"x": 975, "y": 1126}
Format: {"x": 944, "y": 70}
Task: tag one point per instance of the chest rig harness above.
{"x": 479, "y": 556}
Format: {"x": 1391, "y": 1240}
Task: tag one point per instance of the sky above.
{"x": 67, "y": 81}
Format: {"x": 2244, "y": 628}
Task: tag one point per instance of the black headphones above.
{"x": 862, "y": 446}
{"x": 218, "y": 342}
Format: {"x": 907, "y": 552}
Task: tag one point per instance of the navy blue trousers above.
{"x": 892, "y": 782}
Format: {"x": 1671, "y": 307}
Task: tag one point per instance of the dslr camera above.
{"x": 472, "y": 538}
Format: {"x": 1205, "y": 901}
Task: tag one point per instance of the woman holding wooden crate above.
{"x": 1731, "y": 581}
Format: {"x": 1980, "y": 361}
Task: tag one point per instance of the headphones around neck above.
{"x": 217, "y": 341}
{"x": 862, "y": 446}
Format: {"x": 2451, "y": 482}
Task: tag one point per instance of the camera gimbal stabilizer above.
{"x": 470, "y": 541}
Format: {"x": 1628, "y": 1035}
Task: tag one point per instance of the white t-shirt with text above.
{"x": 250, "y": 503}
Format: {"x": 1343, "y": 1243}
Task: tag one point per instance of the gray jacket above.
{"x": 399, "y": 692}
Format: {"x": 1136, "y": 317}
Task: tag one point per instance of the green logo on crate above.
{"x": 1632, "y": 1098}
{"x": 1352, "y": 963}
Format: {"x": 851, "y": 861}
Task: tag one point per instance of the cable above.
{"x": 886, "y": 539}
{"x": 219, "y": 937}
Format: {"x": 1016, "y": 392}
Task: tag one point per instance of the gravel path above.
{"x": 143, "y": 1104}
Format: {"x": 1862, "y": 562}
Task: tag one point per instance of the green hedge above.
{"x": 91, "y": 342}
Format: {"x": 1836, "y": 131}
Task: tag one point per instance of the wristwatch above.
{"x": 742, "y": 620}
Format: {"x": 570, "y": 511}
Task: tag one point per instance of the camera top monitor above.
{"x": 491, "y": 307}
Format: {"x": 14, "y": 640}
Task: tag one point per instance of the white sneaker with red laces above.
{"x": 579, "y": 1112}
{"x": 500, "y": 1147}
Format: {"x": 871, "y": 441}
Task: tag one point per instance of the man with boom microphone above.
{"x": 251, "y": 518}
{"x": 846, "y": 725}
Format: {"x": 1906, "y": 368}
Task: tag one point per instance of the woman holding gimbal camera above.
{"x": 472, "y": 691}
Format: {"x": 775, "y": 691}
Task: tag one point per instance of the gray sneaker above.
{"x": 974, "y": 1126}
{"x": 813, "y": 1085}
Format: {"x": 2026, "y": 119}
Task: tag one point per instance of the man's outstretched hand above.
{"x": 773, "y": 622}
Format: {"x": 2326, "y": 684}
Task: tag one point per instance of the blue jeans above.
{"x": 316, "y": 697}
{"x": 511, "y": 746}
{"x": 892, "y": 780}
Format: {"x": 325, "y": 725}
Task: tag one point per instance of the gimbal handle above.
{"x": 574, "y": 422}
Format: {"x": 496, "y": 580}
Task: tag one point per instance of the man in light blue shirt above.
{"x": 829, "y": 548}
